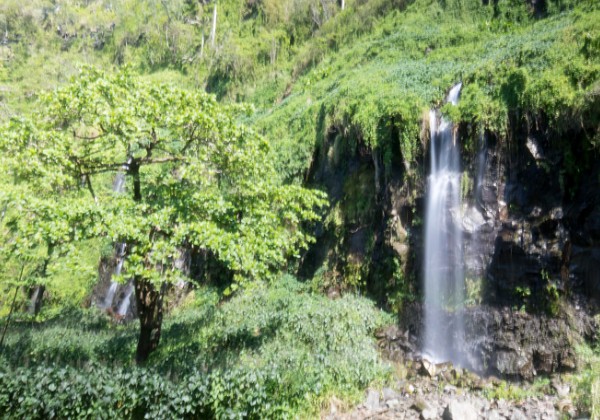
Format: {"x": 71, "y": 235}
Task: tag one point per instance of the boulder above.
{"x": 459, "y": 411}
{"x": 372, "y": 401}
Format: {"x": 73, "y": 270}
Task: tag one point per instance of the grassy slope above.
{"x": 375, "y": 60}
{"x": 411, "y": 60}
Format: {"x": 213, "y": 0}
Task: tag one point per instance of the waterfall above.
{"x": 33, "y": 300}
{"x": 112, "y": 290}
{"x": 118, "y": 187}
{"x": 443, "y": 264}
{"x": 124, "y": 306}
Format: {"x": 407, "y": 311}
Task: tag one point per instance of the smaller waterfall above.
{"x": 33, "y": 300}
{"x": 474, "y": 219}
{"x": 119, "y": 183}
{"x": 183, "y": 264}
{"x": 124, "y": 306}
{"x": 112, "y": 290}
{"x": 118, "y": 187}
{"x": 481, "y": 163}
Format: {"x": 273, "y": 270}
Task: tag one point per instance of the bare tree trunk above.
{"x": 150, "y": 312}
{"x": 38, "y": 295}
{"x": 12, "y": 307}
{"x": 342, "y": 4}
{"x": 213, "y": 30}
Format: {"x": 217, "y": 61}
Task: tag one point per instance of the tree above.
{"x": 43, "y": 211}
{"x": 195, "y": 178}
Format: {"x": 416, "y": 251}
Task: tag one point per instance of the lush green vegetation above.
{"x": 587, "y": 381}
{"x": 197, "y": 179}
{"x": 92, "y": 88}
{"x": 267, "y": 352}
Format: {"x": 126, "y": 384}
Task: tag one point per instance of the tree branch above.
{"x": 148, "y": 161}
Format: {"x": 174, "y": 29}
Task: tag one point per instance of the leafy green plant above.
{"x": 522, "y": 294}
{"x": 474, "y": 291}
{"x": 587, "y": 381}
{"x": 268, "y": 352}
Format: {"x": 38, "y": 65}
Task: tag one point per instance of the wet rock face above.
{"x": 520, "y": 345}
{"x": 500, "y": 342}
{"x": 528, "y": 225}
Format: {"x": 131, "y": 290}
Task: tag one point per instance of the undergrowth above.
{"x": 268, "y": 352}
{"x": 587, "y": 381}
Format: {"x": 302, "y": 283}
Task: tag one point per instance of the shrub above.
{"x": 269, "y": 352}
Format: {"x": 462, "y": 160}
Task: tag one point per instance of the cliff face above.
{"x": 531, "y": 237}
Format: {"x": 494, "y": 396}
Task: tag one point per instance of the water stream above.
{"x": 443, "y": 265}
{"x": 124, "y": 306}
{"x": 121, "y": 248}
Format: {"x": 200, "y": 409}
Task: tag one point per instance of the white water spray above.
{"x": 443, "y": 268}
{"x": 112, "y": 290}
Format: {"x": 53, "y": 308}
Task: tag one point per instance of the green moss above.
{"x": 358, "y": 203}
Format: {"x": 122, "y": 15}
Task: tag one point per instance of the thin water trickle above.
{"x": 33, "y": 300}
{"x": 481, "y": 162}
{"x": 443, "y": 268}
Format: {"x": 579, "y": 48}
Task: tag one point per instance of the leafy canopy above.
{"x": 194, "y": 177}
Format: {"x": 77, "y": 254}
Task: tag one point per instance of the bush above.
{"x": 587, "y": 382}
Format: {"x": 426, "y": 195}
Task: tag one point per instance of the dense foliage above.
{"x": 329, "y": 79}
{"x": 197, "y": 179}
{"x": 265, "y": 353}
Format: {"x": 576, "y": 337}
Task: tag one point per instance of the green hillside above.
{"x": 296, "y": 187}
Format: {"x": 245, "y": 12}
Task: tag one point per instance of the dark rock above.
{"x": 428, "y": 368}
{"x": 510, "y": 344}
{"x": 514, "y": 363}
{"x": 584, "y": 265}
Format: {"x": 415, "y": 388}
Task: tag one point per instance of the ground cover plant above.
{"x": 272, "y": 351}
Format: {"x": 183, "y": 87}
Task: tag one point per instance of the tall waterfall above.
{"x": 443, "y": 265}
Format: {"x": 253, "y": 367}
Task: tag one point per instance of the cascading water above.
{"x": 112, "y": 290}
{"x": 124, "y": 306}
{"x": 118, "y": 187}
{"x": 33, "y": 300}
{"x": 443, "y": 268}
{"x": 481, "y": 162}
